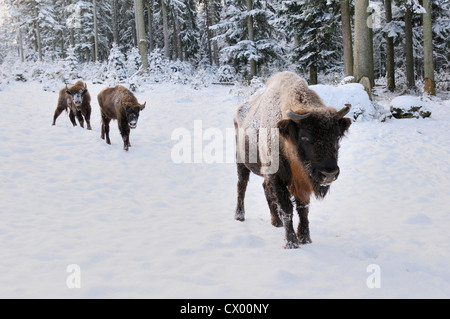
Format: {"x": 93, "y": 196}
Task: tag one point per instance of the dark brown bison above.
{"x": 290, "y": 138}
{"x": 78, "y": 101}
{"x": 119, "y": 103}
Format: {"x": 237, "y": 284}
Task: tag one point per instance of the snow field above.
{"x": 139, "y": 225}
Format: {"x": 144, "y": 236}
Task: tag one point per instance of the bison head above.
{"x": 315, "y": 137}
{"x": 132, "y": 112}
{"x": 77, "y": 95}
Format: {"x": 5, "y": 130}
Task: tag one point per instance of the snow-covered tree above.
{"x": 116, "y": 65}
{"x": 71, "y": 64}
{"x": 133, "y": 61}
{"x": 247, "y": 35}
{"x": 314, "y": 25}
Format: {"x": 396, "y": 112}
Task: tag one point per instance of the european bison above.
{"x": 78, "y": 101}
{"x": 291, "y": 130}
{"x": 120, "y": 104}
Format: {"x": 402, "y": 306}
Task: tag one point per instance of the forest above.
{"x": 400, "y": 44}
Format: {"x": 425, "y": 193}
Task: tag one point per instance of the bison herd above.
{"x": 117, "y": 103}
{"x": 286, "y": 135}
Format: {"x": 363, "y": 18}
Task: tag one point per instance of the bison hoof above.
{"x": 304, "y": 239}
{"x": 240, "y": 216}
{"x": 291, "y": 245}
{"x": 276, "y": 222}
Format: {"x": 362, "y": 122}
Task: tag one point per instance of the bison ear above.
{"x": 287, "y": 128}
{"x": 344, "y": 124}
{"x": 67, "y": 90}
{"x": 143, "y": 105}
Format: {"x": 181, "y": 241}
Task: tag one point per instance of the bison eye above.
{"x": 305, "y": 139}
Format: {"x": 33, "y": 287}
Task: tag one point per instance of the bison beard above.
{"x": 309, "y": 134}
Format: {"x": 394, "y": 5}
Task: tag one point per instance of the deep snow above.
{"x": 139, "y": 225}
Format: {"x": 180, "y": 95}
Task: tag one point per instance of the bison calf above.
{"x": 78, "y": 101}
{"x": 119, "y": 103}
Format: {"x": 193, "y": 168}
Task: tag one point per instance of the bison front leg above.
{"x": 243, "y": 177}
{"x": 72, "y": 118}
{"x": 303, "y": 225}
{"x": 279, "y": 196}
{"x": 125, "y": 132}
{"x": 80, "y": 118}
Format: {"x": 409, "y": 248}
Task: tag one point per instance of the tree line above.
{"x": 254, "y": 37}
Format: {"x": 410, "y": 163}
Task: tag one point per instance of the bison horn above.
{"x": 85, "y": 86}
{"x": 296, "y": 117}
{"x": 344, "y": 111}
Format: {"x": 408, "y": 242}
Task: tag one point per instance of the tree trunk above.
{"x": 208, "y": 31}
{"x": 115, "y": 24}
{"x": 150, "y": 25}
{"x": 176, "y": 39}
{"x": 251, "y": 36}
{"x": 94, "y": 2}
{"x": 38, "y": 32}
{"x": 430, "y": 87}
{"x": 140, "y": 32}
{"x": 22, "y": 59}
{"x": 409, "y": 54}
{"x": 214, "y": 11}
{"x": 347, "y": 38}
{"x": 165, "y": 29}
{"x": 363, "y": 55}
{"x": 312, "y": 75}
{"x": 390, "y": 64}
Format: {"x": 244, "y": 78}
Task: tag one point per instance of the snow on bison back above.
{"x": 289, "y": 137}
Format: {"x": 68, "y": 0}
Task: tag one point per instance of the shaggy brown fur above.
{"x": 309, "y": 134}
{"x": 119, "y": 103}
{"x": 77, "y": 100}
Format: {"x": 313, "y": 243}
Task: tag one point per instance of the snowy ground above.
{"x": 139, "y": 225}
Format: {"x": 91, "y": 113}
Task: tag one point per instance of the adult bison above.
{"x": 120, "y": 104}
{"x": 78, "y": 101}
{"x": 290, "y": 138}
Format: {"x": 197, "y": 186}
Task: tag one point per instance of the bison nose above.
{"x": 329, "y": 175}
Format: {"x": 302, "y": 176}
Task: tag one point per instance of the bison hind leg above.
{"x": 275, "y": 217}
{"x": 243, "y": 177}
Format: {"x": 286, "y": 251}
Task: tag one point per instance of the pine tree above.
{"x": 133, "y": 62}
{"x": 441, "y": 34}
{"x": 116, "y": 65}
{"x": 240, "y": 47}
{"x": 189, "y": 33}
{"x": 320, "y": 48}
{"x": 71, "y": 64}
